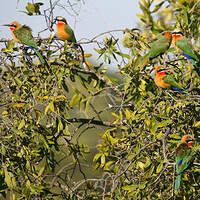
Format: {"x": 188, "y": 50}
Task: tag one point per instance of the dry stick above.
{"x": 84, "y": 181}
{"x": 116, "y": 30}
{"x": 194, "y": 6}
{"x": 59, "y": 172}
{"x": 66, "y": 188}
{"x": 83, "y": 56}
{"x": 173, "y": 180}
{"x": 90, "y": 121}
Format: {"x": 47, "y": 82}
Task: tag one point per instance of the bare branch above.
{"x": 90, "y": 121}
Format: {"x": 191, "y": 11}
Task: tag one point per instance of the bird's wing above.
{"x": 71, "y": 33}
{"x": 171, "y": 81}
{"x": 23, "y": 33}
{"x": 159, "y": 46}
{"x": 185, "y": 156}
{"x": 142, "y": 61}
{"x": 186, "y": 47}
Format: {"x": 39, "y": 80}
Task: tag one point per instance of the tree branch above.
{"x": 90, "y": 121}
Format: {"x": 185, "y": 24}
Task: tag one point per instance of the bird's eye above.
{"x": 161, "y": 70}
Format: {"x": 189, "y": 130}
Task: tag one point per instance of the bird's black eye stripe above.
{"x": 161, "y": 70}
{"x": 59, "y": 19}
{"x": 178, "y": 33}
{"x": 13, "y": 25}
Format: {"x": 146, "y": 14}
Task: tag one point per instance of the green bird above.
{"x": 185, "y": 155}
{"x": 159, "y": 47}
{"x": 164, "y": 80}
{"x": 184, "y": 46}
{"x": 23, "y": 34}
{"x": 64, "y": 31}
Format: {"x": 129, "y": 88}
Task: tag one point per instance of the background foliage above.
{"x": 53, "y": 116}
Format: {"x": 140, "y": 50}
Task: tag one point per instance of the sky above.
{"x": 93, "y": 17}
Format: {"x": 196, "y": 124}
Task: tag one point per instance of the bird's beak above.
{"x": 6, "y": 25}
{"x": 54, "y": 21}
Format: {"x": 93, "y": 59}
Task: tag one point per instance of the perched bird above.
{"x": 164, "y": 80}
{"x": 159, "y": 47}
{"x": 184, "y": 46}
{"x": 23, "y": 34}
{"x": 66, "y": 33}
{"x": 185, "y": 155}
{"x": 64, "y": 30}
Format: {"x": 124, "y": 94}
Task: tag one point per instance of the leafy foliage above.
{"x": 52, "y": 115}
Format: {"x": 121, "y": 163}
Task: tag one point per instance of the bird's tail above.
{"x": 85, "y": 64}
{"x": 76, "y": 46}
{"x": 177, "y": 182}
{"x": 142, "y": 61}
{"x": 39, "y": 56}
{"x": 180, "y": 90}
{"x": 196, "y": 66}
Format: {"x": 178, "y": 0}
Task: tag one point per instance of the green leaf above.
{"x": 60, "y": 126}
{"x": 51, "y": 106}
{"x": 130, "y": 187}
{"x": 159, "y": 168}
{"x": 75, "y": 100}
{"x": 30, "y": 8}
{"x": 103, "y": 160}
{"x": 141, "y": 165}
{"x": 149, "y": 172}
{"x": 42, "y": 167}
{"x": 196, "y": 124}
{"x": 22, "y": 124}
{"x": 97, "y": 156}
{"x": 158, "y": 7}
{"x": 7, "y": 178}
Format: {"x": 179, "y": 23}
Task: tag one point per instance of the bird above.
{"x": 164, "y": 80}
{"x": 23, "y": 34}
{"x": 159, "y": 47}
{"x": 184, "y": 46}
{"x": 185, "y": 154}
{"x": 64, "y": 31}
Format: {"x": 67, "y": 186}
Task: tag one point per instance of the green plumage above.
{"x": 71, "y": 33}
{"x": 184, "y": 157}
{"x": 171, "y": 81}
{"x": 177, "y": 182}
{"x": 23, "y": 34}
{"x": 142, "y": 61}
{"x": 159, "y": 46}
{"x": 184, "y": 45}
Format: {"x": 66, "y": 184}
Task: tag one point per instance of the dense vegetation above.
{"x": 53, "y": 115}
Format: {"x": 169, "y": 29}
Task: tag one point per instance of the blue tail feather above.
{"x": 31, "y": 47}
{"x": 188, "y": 57}
{"x": 178, "y": 89}
{"x": 195, "y": 65}
{"x": 177, "y": 182}
{"x": 38, "y": 54}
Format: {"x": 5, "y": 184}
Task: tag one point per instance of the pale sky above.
{"x": 95, "y": 16}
